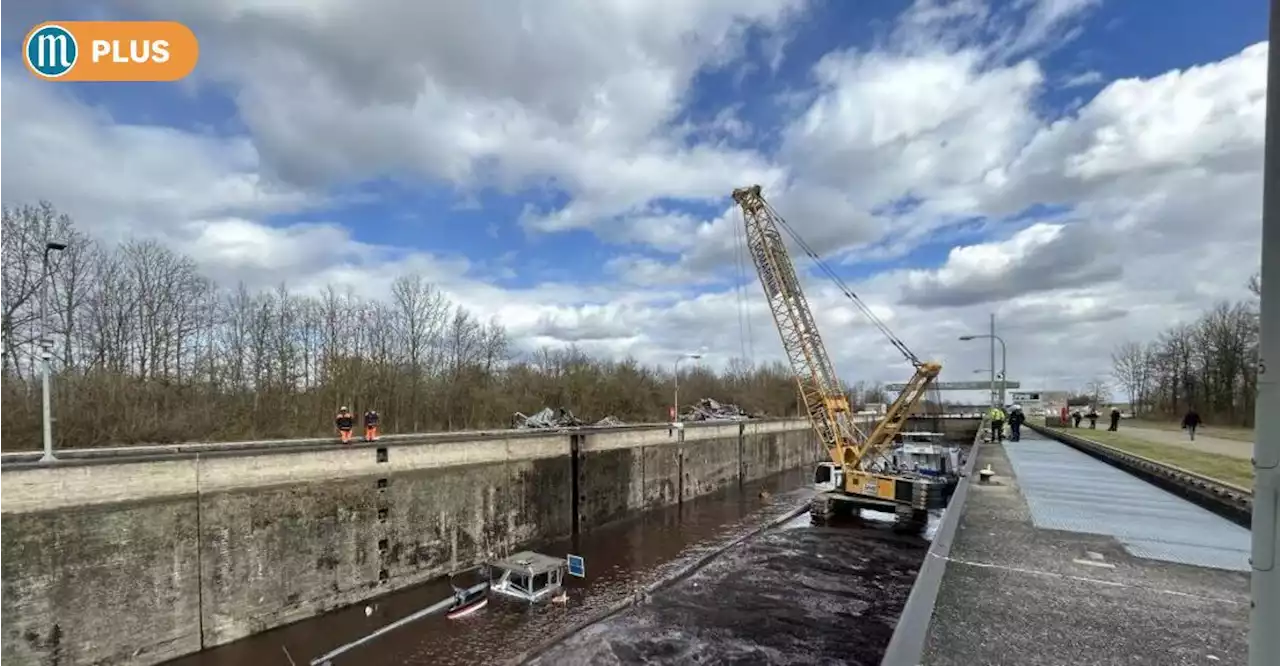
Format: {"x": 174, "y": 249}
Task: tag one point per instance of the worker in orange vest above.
{"x": 344, "y": 421}
{"x": 370, "y": 425}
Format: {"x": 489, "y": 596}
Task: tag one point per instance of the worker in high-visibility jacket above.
{"x": 997, "y": 424}
{"x": 344, "y": 421}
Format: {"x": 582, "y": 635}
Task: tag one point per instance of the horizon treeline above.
{"x": 145, "y": 348}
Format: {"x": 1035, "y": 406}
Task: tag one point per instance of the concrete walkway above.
{"x": 1205, "y": 443}
{"x": 1063, "y": 560}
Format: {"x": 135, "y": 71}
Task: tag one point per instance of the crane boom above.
{"x": 820, "y": 390}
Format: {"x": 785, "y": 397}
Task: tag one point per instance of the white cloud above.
{"x": 1088, "y": 78}
{"x": 567, "y": 92}
{"x": 1162, "y": 176}
{"x": 1039, "y": 258}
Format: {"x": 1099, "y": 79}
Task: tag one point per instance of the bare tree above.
{"x": 150, "y": 350}
{"x": 1098, "y": 391}
{"x": 1130, "y": 369}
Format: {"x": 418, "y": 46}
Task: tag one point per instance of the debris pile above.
{"x": 548, "y": 418}
{"x": 608, "y": 422}
{"x": 709, "y": 409}
{"x": 557, "y": 419}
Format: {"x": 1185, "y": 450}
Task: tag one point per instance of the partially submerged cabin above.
{"x": 527, "y": 575}
{"x": 923, "y": 453}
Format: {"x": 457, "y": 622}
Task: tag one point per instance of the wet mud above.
{"x": 797, "y": 595}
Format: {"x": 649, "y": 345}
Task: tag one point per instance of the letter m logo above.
{"x": 51, "y": 51}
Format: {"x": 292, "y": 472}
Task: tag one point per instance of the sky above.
{"x": 1090, "y": 171}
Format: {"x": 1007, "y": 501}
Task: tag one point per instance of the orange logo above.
{"x": 110, "y": 51}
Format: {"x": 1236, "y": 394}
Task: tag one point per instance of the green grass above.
{"x": 1224, "y": 468}
{"x": 1222, "y": 432}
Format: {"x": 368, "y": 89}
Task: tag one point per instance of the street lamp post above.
{"x": 676, "y": 398}
{"x": 1004, "y": 357}
{"x": 46, "y": 350}
{"x": 1264, "y": 640}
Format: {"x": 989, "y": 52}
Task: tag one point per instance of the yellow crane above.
{"x": 858, "y": 473}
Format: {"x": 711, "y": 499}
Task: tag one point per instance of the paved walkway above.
{"x": 1205, "y": 443}
{"x": 1065, "y": 560}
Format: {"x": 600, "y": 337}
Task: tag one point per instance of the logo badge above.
{"x": 51, "y": 51}
{"x": 111, "y": 51}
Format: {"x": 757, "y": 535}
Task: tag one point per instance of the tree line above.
{"x": 1210, "y": 364}
{"x": 145, "y": 348}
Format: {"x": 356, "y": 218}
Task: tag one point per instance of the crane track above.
{"x": 1230, "y": 501}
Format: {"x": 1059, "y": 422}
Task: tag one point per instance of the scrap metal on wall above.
{"x": 709, "y": 409}
{"x": 559, "y": 419}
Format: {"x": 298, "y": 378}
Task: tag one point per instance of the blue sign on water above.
{"x": 577, "y": 567}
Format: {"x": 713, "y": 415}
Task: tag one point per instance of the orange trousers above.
{"x": 370, "y": 433}
{"x": 345, "y": 433}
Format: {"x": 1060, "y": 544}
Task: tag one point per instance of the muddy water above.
{"x": 795, "y": 595}
{"x": 619, "y": 559}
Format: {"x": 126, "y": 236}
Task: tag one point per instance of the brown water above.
{"x": 620, "y": 558}
{"x": 798, "y": 594}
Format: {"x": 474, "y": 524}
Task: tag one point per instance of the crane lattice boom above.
{"x": 820, "y": 390}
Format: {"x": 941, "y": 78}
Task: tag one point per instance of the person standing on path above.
{"x": 1093, "y": 418}
{"x": 1016, "y": 418}
{"x": 344, "y": 421}
{"x": 1115, "y": 419}
{"x": 370, "y": 426}
{"x": 1075, "y": 419}
{"x": 997, "y": 424}
{"x": 1191, "y": 421}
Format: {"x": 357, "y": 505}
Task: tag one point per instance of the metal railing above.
{"x": 152, "y": 451}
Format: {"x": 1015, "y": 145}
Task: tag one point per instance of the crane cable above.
{"x": 746, "y": 336}
{"x": 844, "y": 288}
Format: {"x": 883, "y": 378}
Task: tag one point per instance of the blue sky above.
{"x": 418, "y": 165}
{"x": 1117, "y": 40}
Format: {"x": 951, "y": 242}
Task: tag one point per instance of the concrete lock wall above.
{"x": 137, "y": 562}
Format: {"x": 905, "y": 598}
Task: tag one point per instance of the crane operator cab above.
{"x": 828, "y": 476}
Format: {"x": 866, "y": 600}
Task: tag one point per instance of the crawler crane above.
{"x": 860, "y": 474}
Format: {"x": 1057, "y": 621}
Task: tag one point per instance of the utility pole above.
{"x": 992, "y": 339}
{"x": 675, "y": 407}
{"x": 1264, "y": 639}
{"x": 46, "y": 351}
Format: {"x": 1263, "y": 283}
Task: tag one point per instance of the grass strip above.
{"x": 1223, "y": 468}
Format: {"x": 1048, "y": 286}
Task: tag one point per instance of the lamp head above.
{"x": 966, "y": 338}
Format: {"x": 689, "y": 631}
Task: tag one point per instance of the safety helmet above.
{"x": 342, "y": 408}
{"x": 1017, "y": 408}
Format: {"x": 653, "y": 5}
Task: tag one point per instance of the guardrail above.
{"x": 906, "y": 645}
{"x": 1228, "y": 500}
{"x": 246, "y": 445}
{"x": 145, "y": 452}
{"x": 148, "y": 452}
